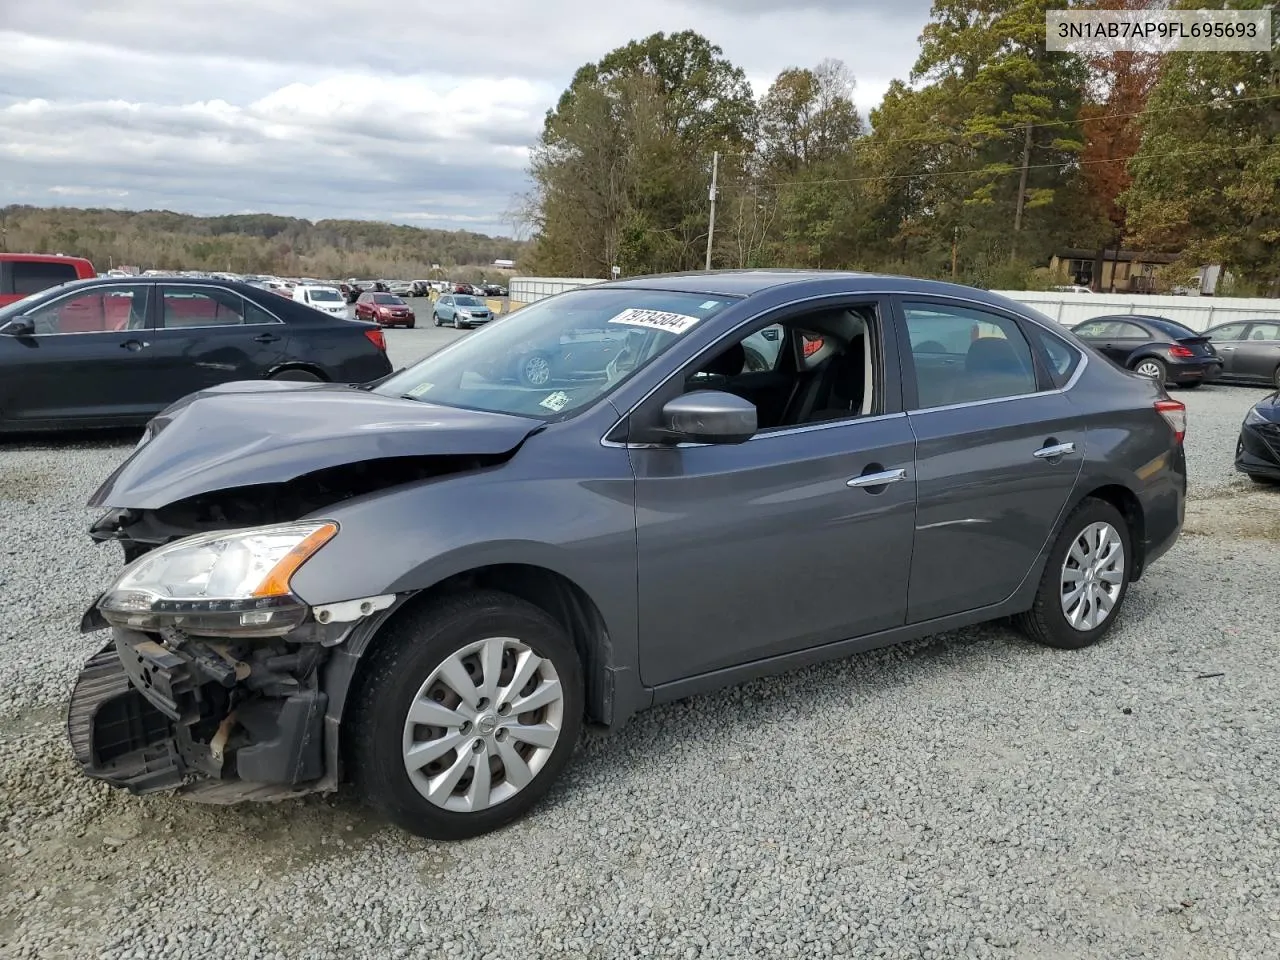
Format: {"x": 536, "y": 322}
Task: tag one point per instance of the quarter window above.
{"x": 963, "y": 355}
{"x": 1063, "y": 357}
{"x": 96, "y": 311}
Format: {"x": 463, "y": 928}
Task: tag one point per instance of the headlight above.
{"x": 1253, "y": 417}
{"x": 220, "y": 584}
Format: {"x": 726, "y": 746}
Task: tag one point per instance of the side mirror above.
{"x": 21, "y": 326}
{"x": 709, "y": 416}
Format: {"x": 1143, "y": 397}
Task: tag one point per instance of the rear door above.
{"x": 86, "y": 362}
{"x": 207, "y": 335}
{"x": 1258, "y": 355}
{"x": 999, "y": 448}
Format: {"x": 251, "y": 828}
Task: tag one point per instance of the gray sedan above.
{"x": 1250, "y": 351}
{"x": 427, "y": 585}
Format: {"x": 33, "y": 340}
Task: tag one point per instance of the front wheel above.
{"x": 410, "y": 325}
{"x": 1152, "y": 369}
{"x": 301, "y": 376}
{"x": 1085, "y": 581}
{"x": 1275, "y": 378}
{"x": 435, "y": 318}
{"x": 464, "y": 715}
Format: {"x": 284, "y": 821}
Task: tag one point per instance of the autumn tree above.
{"x": 1206, "y": 179}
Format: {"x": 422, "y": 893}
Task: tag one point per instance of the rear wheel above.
{"x": 465, "y": 715}
{"x": 1151, "y": 368}
{"x": 1085, "y": 581}
{"x": 305, "y": 376}
{"x": 1275, "y": 378}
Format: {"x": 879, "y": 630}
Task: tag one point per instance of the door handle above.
{"x": 1226, "y": 349}
{"x": 266, "y": 338}
{"x": 1053, "y": 451}
{"x": 132, "y": 344}
{"x": 879, "y": 479}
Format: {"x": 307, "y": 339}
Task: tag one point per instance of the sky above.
{"x": 411, "y": 111}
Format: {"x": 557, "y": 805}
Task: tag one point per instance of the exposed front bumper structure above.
{"x": 221, "y": 723}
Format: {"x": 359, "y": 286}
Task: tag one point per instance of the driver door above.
{"x": 87, "y": 360}
{"x": 760, "y": 549}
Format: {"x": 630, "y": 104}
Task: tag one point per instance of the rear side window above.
{"x": 962, "y": 355}
{"x": 1062, "y": 357}
{"x": 200, "y": 307}
{"x": 31, "y": 276}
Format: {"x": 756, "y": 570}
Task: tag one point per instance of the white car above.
{"x": 325, "y": 299}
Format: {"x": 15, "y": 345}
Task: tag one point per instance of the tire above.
{"x": 1046, "y": 622}
{"x": 301, "y": 376}
{"x": 1275, "y": 378}
{"x": 534, "y": 371}
{"x": 410, "y": 655}
{"x": 435, "y": 318}
{"x": 410, "y": 325}
{"x": 1153, "y": 369}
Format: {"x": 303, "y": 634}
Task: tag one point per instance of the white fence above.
{"x": 1198, "y": 313}
{"x": 529, "y": 289}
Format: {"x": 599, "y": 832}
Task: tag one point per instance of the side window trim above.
{"x": 910, "y": 386}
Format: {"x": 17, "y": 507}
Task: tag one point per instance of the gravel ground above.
{"x": 965, "y": 796}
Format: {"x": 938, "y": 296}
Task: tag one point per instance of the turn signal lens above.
{"x": 1175, "y": 413}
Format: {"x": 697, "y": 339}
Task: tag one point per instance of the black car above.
{"x": 1258, "y": 449}
{"x": 115, "y": 352}
{"x": 1154, "y": 347}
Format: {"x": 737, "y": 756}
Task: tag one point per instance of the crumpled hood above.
{"x": 252, "y": 432}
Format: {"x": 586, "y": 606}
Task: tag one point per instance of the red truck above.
{"x": 22, "y": 274}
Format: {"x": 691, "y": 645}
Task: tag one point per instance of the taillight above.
{"x": 377, "y": 339}
{"x": 1183, "y": 353}
{"x": 1175, "y": 413}
{"x": 812, "y": 346}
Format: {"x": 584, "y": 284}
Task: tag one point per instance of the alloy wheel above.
{"x": 1148, "y": 369}
{"x": 483, "y": 725}
{"x": 1092, "y": 576}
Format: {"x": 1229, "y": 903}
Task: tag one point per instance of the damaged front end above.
{"x": 214, "y": 680}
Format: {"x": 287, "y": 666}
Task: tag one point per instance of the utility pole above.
{"x": 955, "y": 241}
{"x": 1022, "y": 186}
{"x": 711, "y": 227}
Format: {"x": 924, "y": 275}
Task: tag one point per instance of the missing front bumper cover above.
{"x": 138, "y": 715}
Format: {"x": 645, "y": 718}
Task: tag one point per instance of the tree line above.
{"x": 252, "y": 243}
{"x": 992, "y": 155}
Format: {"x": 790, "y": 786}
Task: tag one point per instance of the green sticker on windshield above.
{"x": 419, "y": 390}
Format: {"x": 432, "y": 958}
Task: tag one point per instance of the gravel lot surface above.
{"x": 970, "y": 795}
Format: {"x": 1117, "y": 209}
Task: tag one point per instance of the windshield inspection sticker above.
{"x": 676, "y": 323}
{"x": 420, "y": 389}
{"x": 556, "y": 402}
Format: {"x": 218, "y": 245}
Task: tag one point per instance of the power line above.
{"x": 1010, "y": 168}
{"x": 870, "y": 140}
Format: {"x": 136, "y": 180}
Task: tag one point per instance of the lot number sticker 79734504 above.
{"x": 676, "y": 323}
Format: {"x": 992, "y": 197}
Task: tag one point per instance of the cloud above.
{"x": 417, "y": 112}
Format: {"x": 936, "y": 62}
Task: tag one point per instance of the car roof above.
{"x": 747, "y": 283}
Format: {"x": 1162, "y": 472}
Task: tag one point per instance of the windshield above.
{"x": 386, "y": 298}
{"x": 325, "y": 295}
{"x": 558, "y": 355}
{"x": 464, "y": 301}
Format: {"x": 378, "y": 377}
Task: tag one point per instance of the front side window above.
{"x": 197, "y": 307}
{"x": 962, "y": 355}
{"x": 558, "y": 355}
{"x": 1232, "y": 331}
{"x": 99, "y": 310}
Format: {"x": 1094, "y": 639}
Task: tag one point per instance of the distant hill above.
{"x": 251, "y": 243}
